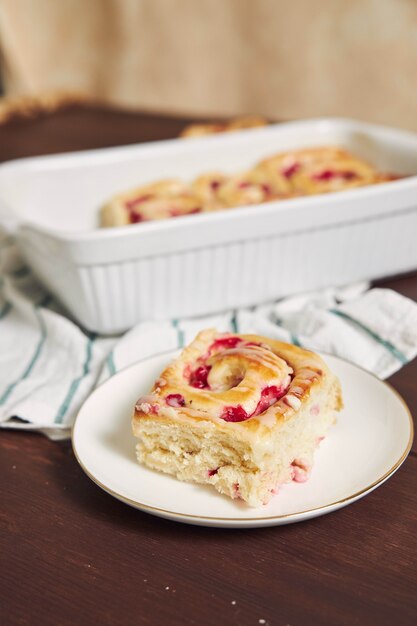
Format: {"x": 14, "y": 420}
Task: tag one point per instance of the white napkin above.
{"x": 48, "y": 365}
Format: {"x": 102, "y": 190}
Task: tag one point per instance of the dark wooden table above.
{"x": 71, "y": 554}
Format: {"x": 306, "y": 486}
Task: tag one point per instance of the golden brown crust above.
{"x": 159, "y": 200}
{"x": 236, "y": 383}
{"x": 319, "y": 170}
{"x": 239, "y": 123}
{"x": 207, "y": 188}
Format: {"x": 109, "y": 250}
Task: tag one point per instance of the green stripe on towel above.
{"x": 295, "y": 340}
{"x": 180, "y": 333}
{"x": 75, "y": 383}
{"x": 233, "y": 323}
{"x": 383, "y": 342}
{"x": 110, "y": 363}
{"x": 39, "y": 346}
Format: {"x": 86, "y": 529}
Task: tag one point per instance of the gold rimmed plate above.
{"x": 368, "y": 444}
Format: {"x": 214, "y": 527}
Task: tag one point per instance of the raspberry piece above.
{"x": 175, "y": 399}
{"x": 198, "y": 378}
{"x": 234, "y": 414}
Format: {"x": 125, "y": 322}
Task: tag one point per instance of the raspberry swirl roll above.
{"x": 156, "y": 201}
{"x": 319, "y": 170}
{"x": 207, "y": 187}
{"x": 242, "y": 413}
{"x": 252, "y": 187}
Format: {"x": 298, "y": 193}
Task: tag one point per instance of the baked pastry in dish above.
{"x": 240, "y": 123}
{"x": 242, "y": 413}
{"x": 282, "y": 176}
{"x": 319, "y": 170}
{"x": 252, "y": 187}
{"x": 165, "y": 198}
{"x": 207, "y": 188}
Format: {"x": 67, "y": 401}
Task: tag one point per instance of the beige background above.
{"x": 284, "y": 59}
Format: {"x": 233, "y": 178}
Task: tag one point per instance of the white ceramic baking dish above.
{"x": 109, "y": 279}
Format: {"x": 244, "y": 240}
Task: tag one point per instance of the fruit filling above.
{"x": 224, "y": 343}
{"x": 332, "y": 174}
{"x": 269, "y": 396}
{"x": 289, "y": 171}
{"x": 299, "y": 471}
{"x": 198, "y": 378}
{"x": 234, "y": 414}
{"x": 175, "y": 400}
{"x": 135, "y": 218}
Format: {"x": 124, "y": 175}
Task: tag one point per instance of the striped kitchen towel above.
{"x": 48, "y": 365}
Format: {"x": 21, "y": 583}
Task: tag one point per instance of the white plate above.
{"x": 370, "y": 441}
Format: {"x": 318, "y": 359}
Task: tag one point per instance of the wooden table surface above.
{"x": 71, "y": 554}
